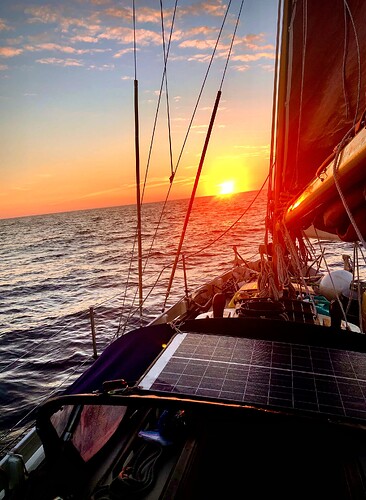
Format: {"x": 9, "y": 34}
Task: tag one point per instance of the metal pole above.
{"x": 92, "y": 324}
{"x": 138, "y": 196}
{"x": 193, "y": 194}
{"x": 185, "y": 276}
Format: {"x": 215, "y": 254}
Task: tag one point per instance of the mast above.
{"x": 281, "y": 113}
{"x": 281, "y": 141}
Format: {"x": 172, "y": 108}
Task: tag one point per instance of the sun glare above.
{"x": 227, "y": 187}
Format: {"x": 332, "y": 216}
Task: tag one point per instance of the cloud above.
{"x": 119, "y": 12}
{"x": 240, "y": 67}
{"x": 56, "y": 15}
{"x": 253, "y": 57}
{"x": 198, "y": 44}
{"x": 148, "y": 15}
{"x": 122, "y": 52}
{"x": 99, "y": 193}
{"x": 54, "y": 47}
{"x": 125, "y": 35}
{"x": 10, "y": 52}
{"x": 198, "y": 57}
{"x": 3, "y": 67}
{"x": 4, "y": 26}
{"x": 102, "y": 67}
{"x": 84, "y": 39}
{"x": 60, "y": 62}
{"x": 44, "y": 14}
{"x": 205, "y": 8}
{"x": 249, "y": 151}
{"x": 100, "y": 2}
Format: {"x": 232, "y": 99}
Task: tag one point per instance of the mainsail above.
{"x": 323, "y": 92}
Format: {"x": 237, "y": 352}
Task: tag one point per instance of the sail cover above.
{"x": 324, "y": 84}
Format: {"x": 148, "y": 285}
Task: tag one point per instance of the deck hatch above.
{"x": 270, "y": 373}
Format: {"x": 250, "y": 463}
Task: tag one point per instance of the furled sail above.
{"x": 321, "y": 111}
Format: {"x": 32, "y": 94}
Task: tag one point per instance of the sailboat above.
{"x": 253, "y": 385}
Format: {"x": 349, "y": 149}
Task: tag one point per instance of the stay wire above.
{"x": 164, "y": 78}
{"x": 233, "y": 224}
{"x": 134, "y": 38}
{"x": 231, "y": 45}
{"x": 166, "y": 89}
{"x": 190, "y": 123}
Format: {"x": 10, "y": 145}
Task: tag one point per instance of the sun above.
{"x": 227, "y": 187}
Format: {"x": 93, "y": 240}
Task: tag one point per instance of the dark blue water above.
{"x": 53, "y": 268}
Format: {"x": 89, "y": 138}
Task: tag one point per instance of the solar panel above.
{"x": 263, "y": 372}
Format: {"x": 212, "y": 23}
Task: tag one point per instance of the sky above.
{"x": 67, "y": 126}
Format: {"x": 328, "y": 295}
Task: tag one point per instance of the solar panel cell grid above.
{"x": 299, "y": 377}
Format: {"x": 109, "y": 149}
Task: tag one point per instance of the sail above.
{"x": 323, "y": 89}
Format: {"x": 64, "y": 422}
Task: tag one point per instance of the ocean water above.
{"x": 54, "y": 268}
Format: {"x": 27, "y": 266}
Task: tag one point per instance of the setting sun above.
{"x": 227, "y": 187}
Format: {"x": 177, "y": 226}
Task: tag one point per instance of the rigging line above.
{"x": 305, "y": 35}
{"x": 137, "y": 226}
{"x": 194, "y": 111}
{"x": 346, "y": 100}
{"x": 232, "y": 225}
{"x": 336, "y": 163}
{"x": 356, "y": 271}
{"x": 274, "y": 100}
{"x": 213, "y": 116}
{"x": 134, "y": 37}
{"x": 202, "y": 88}
{"x": 159, "y": 98}
{"x": 138, "y": 187}
{"x": 348, "y": 134}
{"x": 193, "y": 194}
{"x": 231, "y": 45}
{"x": 205, "y": 247}
{"x": 197, "y": 103}
{"x": 191, "y": 120}
{"x": 138, "y": 195}
{"x": 273, "y": 124}
{"x": 294, "y": 254}
{"x": 358, "y": 61}
{"x": 166, "y": 93}
{"x": 330, "y": 276}
{"x": 215, "y": 240}
{"x": 147, "y": 166}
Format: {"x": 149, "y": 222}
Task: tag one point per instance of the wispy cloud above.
{"x": 60, "y": 62}
{"x": 10, "y": 52}
{"x": 4, "y": 26}
{"x": 204, "y": 8}
{"x": 123, "y": 52}
{"x": 249, "y": 151}
{"x": 253, "y": 57}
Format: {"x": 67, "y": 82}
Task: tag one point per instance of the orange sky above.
{"x": 66, "y": 97}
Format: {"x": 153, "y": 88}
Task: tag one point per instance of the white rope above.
{"x": 266, "y": 282}
{"x": 295, "y": 259}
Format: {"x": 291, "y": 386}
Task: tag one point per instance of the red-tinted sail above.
{"x": 323, "y": 104}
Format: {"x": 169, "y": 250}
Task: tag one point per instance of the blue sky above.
{"x": 66, "y": 98}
